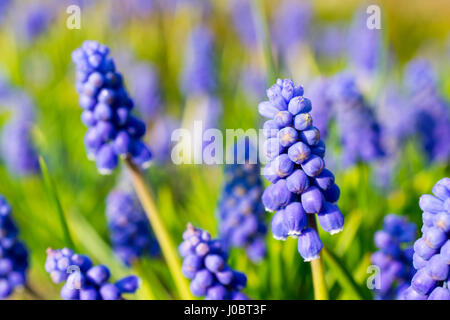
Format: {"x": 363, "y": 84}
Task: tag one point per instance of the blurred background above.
{"x": 213, "y": 60}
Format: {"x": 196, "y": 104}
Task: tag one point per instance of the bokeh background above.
{"x": 247, "y": 45}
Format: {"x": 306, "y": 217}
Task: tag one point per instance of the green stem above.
{"x": 53, "y": 193}
{"x": 317, "y": 269}
{"x": 167, "y": 247}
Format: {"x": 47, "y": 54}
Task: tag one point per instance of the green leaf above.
{"x": 53, "y": 194}
{"x": 343, "y": 276}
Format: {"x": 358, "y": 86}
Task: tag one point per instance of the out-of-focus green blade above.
{"x": 343, "y": 276}
{"x": 53, "y": 193}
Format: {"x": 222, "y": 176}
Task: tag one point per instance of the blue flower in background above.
{"x": 395, "y": 116}
{"x": 432, "y": 112}
{"x": 129, "y": 229}
{"x": 243, "y": 22}
{"x": 13, "y": 253}
{"x": 17, "y": 148}
{"x": 322, "y": 112}
{"x": 394, "y": 257}
{"x": 240, "y": 210}
{"x": 145, "y": 89}
{"x": 113, "y": 130}
{"x": 328, "y": 42}
{"x": 205, "y": 263}
{"x": 301, "y": 185}
{"x": 291, "y": 24}
{"x": 199, "y": 75}
{"x": 364, "y": 47}
{"x": 34, "y": 19}
{"x": 83, "y": 280}
{"x": 160, "y": 137}
{"x": 358, "y": 128}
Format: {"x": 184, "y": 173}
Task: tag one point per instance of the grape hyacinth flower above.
{"x": 364, "y": 48}
{"x": 35, "y": 20}
{"x": 432, "y": 113}
{"x": 291, "y": 24}
{"x": 198, "y": 75}
{"x": 240, "y": 210}
{"x": 394, "y": 257}
{"x": 130, "y": 232}
{"x": 113, "y": 130}
{"x": 83, "y": 280}
{"x": 395, "y": 131}
{"x": 160, "y": 137}
{"x": 431, "y": 256}
{"x": 322, "y": 112}
{"x": 13, "y": 254}
{"x": 205, "y": 263}
{"x": 17, "y": 148}
{"x": 301, "y": 185}
{"x": 244, "y": 23}
{"x": 145, "y": 88}
{"x": 328, "y": 44}
{"x": 358, "y": 129}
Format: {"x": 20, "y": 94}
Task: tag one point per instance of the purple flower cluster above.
{"x": 394, "y": 257}
{"x": 431, "y": 256}
{"x": 129, "y": 228}
{"x": 205, "y": 263}
{"x": 17, "y": 149}
{"x": 113, "y": 130}
{"x": 241, "y": 212}
{"x": 291, "y": 24}
{"x": 244, "y": 22}
{"x": 322, "y": 112}
{"x": 358, "y": 129}
{"x": 35, "y": 19}
{"x": 198, "y": 76}
{"x": 83, "y": 280}
{"x": 145, "y": 89}
{"x": 13, "y": 254}
{"x": 160, "y": 137}
{"x": 301, "y": 185}
{"x": 432, "y": 112}
{"x": 364, "y": 46}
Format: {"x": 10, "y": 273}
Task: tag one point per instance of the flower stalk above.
{"x": 318, "y": 269}
{"x": 167, "y": 247}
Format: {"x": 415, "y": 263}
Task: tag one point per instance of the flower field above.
{"x": 224, "y": 150}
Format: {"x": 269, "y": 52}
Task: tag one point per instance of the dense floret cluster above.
{"x": 113, "y": 130}
{"x": 241, "y": 212}
{"x": 13, "y": 254}
{"x": 358, "y": 128}
{"x": 431, "y": 256}
{"x": 394, "y": 257}
{"x": 129, "y": 228}
{"x": 16, "y": 146}
{"x": 205, "y": 263}
{"x": 301, "y": 185}
{"x": 199, "y": 75}
{"x": 432, "y": 112}
{"x": 83, "y": 280}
